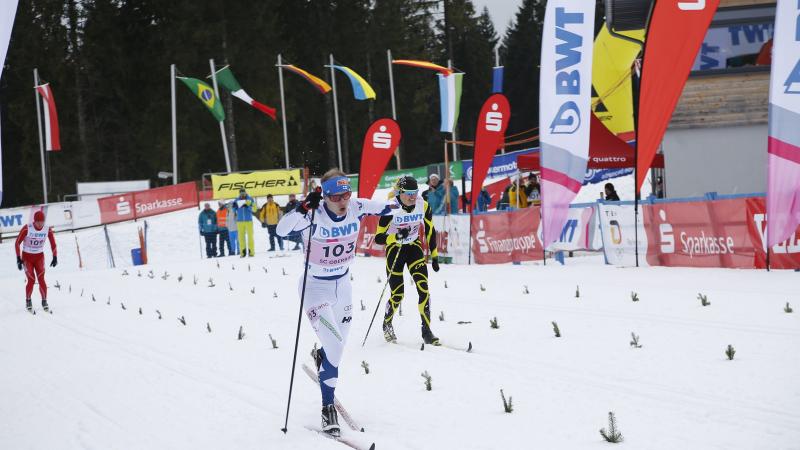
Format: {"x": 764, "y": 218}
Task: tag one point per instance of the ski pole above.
{"x": 380, "y": 299}
{"x": 299, "y": 319}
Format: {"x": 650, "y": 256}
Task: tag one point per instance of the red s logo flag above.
{"x": 380, "y": 142}
{"x": 489, "y": 137}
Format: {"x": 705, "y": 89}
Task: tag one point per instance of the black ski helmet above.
{"x": 407, "y": 183}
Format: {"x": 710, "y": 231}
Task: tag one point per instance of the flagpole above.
{"x": 394, "y": 108}
{"x": 174, "y": 126}
{"x": 39, "y": 123}
{"x": 453, "y": 135}
{"x": 221, "y": 123}
{"x": 336, "y": 113}
{"x": 283, "y": 111}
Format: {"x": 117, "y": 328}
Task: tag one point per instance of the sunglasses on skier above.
{"x": 339, "y": 197}
{"x": 410, "y": 193}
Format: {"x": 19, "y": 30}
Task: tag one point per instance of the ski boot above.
{"x": 28, "y": 305}
{"x": 428, "y": 337}
{"x": 388, "y": 332}
{"x": 45, "y": 306}
{"x": 330, "y": 421}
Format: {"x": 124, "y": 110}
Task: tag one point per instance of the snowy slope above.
{"x": 95, "y": 376}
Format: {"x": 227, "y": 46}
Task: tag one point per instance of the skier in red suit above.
{"x": 32, "y": 237}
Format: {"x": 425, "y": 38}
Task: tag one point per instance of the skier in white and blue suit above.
{"x": 328, "y": 296}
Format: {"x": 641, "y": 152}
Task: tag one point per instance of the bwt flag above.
{"x": 564, "y": 107}
{"x": 783, "y": 186}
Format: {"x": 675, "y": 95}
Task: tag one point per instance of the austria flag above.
{"x": 51, "y": 136}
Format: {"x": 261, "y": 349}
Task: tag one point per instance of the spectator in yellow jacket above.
{"x": 517, "y": 197}
{"x": 269, "y": 215}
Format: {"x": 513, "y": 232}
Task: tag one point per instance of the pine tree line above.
{"x": 108, "y": 64}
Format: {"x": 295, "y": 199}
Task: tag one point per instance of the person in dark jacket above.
{"x": 611, "y": 193}
{"x": 207, "y": 225}
{"x": 484, "y": 200}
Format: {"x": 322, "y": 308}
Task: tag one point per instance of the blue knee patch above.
{"x": 328, "y": 375}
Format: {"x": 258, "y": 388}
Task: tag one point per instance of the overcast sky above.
{"x": 502, "y": 11}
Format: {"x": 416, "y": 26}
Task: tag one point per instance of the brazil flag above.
{"x": 206, "y": 95}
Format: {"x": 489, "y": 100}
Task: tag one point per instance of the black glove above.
{"x": 402, "y": 233}
{"x": 263, "y": 224}
{"x": 54, "y": 262}
{"x": 19, "y": 263}
{"x": 311, "y": 201}
{"x": 435, "y": 263}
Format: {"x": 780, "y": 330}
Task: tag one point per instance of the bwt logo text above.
{"x": 568, "y": 82}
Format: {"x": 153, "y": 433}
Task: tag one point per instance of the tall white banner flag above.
{"x": 8, "y": 9}
{"x": 565, "y": 91}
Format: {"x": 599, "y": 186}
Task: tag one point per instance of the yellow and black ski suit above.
{"x": 408, "y": 252}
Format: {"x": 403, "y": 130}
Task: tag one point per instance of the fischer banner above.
{"x": 147, "y": 203}
{"x": 380, "y": 142}
{"x": 258, "y": 184}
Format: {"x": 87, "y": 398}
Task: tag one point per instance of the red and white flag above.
{"x": 51, "y": 135}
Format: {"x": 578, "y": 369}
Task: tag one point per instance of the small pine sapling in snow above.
{"x": 195, "y": 280}
{"x": 274, "y": 342}
{"x": 70, "y": 289}
{"x": 241, "y": 332}
{"x": 253, "y": 290}
{"x": 634, "y": 297}
{"x": 284, "y": 271}
{"x": 124, "y": 273}
{"x": 787, "y": 309}
{"x": 165, "y": 276}
{"x": 351, "y": 279}
{"x": 469, "y": 349}
{"x": 151, "y": 275}
{"x": 635, "y": 340}
{"x": 217, "y": 264}
{"x": 441, "y": 316}
{"x": 140, "y": 310}
{"x": 556, "y": 330}
{"x": 363, "y": 308}
{"x": 379, "y": 279}
{"x": 366, "y": 367}
{"x": 508, "y": 406}
{"x": 248, "y": 267}
{"x": 180, "y": 278}
{"x": 233, "y": 267}
{"x": 93, "y": 299}
{"x": 159, "y": 314}
{"x": 211, "y": 283}
{"x": 274, "y": 294}
{"x": 493, "y": 323}
{"x": 208, "y": 326}
{"x": 182, "y": 320}
{"x": 577, "y": 291}
{"x": 108, "y": 302}
{"x": 265, "y": 269}
{"x": 81, "y": 293}
{"x": 139, "y": 273}
{"x": 525, "y": 289}
{"x": 428, "y": 380}
{"x": 445, "y": 284}
{"x": 483, "y": 289}
{"x": 57, "y": 286}
{"x": 612, "y": 435}
{"x": 703, "y": 299}
{"x": 729, "y": 352}
{"x": 122, "y": 305}
{"x": 230, "y": 286}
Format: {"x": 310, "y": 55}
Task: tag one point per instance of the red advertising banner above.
{"x": 147, "y": 203}
{"x": 698, "y": 234}
{"x": 380, "y": 142}
{"x": 366, "y": 238}
{"x": 507, "y": 237}
{"x": 785, "y": 255}
{"x": 490, "y": 135}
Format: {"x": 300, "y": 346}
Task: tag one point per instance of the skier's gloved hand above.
{"x": 19, "y": 263}
{"x": 402, "y": 233}
{"x": 311, "y": 201}
{"x": 54, "y": 262}
{"x": 435, "y": 263}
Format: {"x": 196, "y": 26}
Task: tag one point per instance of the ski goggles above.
{"x": 339, "y": 197}
{"x": 412, "y": 193}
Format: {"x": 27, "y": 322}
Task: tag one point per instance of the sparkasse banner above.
{"x": 258, "y": 184}
{"x": 117, "y": 208}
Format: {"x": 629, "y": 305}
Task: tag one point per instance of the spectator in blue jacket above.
{"x": 453, "y": 196}
{"x": 244, "y": 222}
{"x": 435, "y": 194}
{"x": 484, "y": 200}
{"x": 207, "y": 225}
